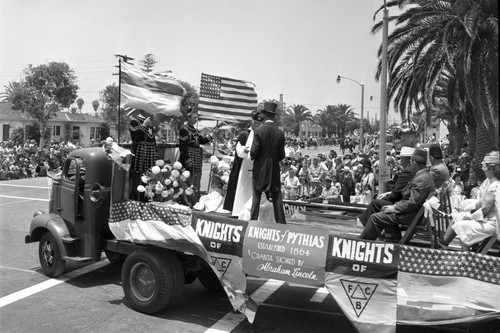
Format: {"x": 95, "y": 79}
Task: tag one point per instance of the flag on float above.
{"x": 151, "y": 93}
{"x": 437, "y": 287}
{"x": 156, "y": 224}
{"x": 226, "y": 99}
{"x": 362, "y": 278}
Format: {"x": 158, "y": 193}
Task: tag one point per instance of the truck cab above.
{"x": 76, "y": 228}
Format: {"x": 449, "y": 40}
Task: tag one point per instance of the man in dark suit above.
{"x": 396, "y": 194}
{"x": 267, "y": 151}
{"x": 403, "y": 211}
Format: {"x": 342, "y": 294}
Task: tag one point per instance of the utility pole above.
{"x": 383, "y": 176}
{"x": 120, "y": 59}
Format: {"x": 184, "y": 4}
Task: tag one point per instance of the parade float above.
{"x": 162, "y": 245}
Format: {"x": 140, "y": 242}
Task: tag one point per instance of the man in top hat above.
{"x": 239, "y": 188}
{"x": 402, "y": 180}
{"x": 267, "y": 151}
{"x": 439, "y": 171}
{"x": 143, "y": 149}
{"x": 402, "y": 212}
{"x": 191, "y": 152}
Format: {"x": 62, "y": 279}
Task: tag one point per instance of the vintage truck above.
{"x": 76, "y": 229}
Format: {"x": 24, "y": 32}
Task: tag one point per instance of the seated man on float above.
{"x": 389, "y": 198}
{"x": 404, "y": 211}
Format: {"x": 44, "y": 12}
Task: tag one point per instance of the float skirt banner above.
{"x": 285, "y": 252}
{"x": 443, "y": 287}
{"x": 362, "y": 278}
{"x": 223, "y": 240}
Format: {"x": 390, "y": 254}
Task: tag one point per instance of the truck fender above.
{"x": 53, "y": 223}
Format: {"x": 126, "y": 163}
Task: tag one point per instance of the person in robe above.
{"x": 239, "y": 189}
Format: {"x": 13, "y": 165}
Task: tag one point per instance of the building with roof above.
{"x": 78, "y": 127}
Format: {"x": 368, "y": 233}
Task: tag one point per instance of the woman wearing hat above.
{"x": 143, "y": 149}
{"x": 367, "y": 181}
{"x": 478, "y": 219}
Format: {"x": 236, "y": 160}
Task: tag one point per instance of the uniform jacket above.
{"x": 414, "y": 196}
{"x": 268, "y": 150}
{"x": 190, "y": 137}
{"x": 403, "y": 179}
{"x": 439, "y": 173}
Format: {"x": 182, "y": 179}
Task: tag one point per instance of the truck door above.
{"x": 70, "y": 180}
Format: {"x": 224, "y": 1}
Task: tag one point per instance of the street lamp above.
{"x": 362, "y": 106}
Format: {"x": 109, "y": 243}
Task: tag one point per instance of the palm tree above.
{"x": 300, "y": 113}
{"x": 438, "y": 38}
{"x": 95, "y": 105}
{"x": 80, "y": 103}
{"x": 344, "y": 114}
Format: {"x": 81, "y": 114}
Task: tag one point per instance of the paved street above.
{"x": 89, "y": 298}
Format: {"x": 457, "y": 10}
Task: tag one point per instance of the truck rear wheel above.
{"x": 209, "y": 279}
{"x": 152, "y": 280}
{"x": 49, "y": 254}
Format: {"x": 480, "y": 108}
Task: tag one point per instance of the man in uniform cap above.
{"x": 439, "y": 171}
{"x": 402, "y": 212}
{"x": 267, "y": 151}
{"x": 402, "y": 180}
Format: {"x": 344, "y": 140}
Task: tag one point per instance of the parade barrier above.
{"x": 377, "y": 285}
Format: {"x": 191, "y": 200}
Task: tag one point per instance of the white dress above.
{"x": 244, "y": 186}
{"x": 472, "y": 230}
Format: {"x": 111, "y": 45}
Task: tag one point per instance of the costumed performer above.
{"x": 239, "y": 189}
{"x": 143, "y": 149}
{"x": 191, "y": 151}
{"x": 268, "y": 150}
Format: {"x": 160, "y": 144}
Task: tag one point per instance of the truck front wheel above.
{"x": 49, "y": 254}
{"x": 152, "y": 280}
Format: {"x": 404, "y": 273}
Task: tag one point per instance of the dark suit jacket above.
{"x": 414, "y": 196}
{"x": 403, "y": 179}
{"x": 235, "y": 171}
{"x": 268, "y": 149}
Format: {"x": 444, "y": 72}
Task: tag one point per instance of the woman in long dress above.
{"x": 244, "y": 185}
{"x": 478, "y": 219}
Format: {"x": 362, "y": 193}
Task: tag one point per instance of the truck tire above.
{"x": 152, "y": 280}
{"x": 114, "y": 257}
{"x": 209, "y": 279}
{"x": 49, "y": 254}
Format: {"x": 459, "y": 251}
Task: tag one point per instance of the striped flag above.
{"x": 149, "y": 92}
{"x": 444, "y": 287}
{"x": 226, "y": 99}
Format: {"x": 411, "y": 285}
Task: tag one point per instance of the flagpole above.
{"x": 119, "y": 96}
{"x": 213, "y": 153}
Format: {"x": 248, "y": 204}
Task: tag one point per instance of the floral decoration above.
{"x": 219, "y": 174}
{"x": 165, "y": 182}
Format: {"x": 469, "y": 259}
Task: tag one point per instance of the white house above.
{"x": 79, "y": 127}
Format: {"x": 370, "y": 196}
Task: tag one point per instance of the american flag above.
{"x": 226, "y": 99}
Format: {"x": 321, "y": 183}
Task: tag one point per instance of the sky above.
{"x": 291, "y": 47}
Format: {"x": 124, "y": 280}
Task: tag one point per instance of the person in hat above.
{"x": 439, "y": 171}
{"x": 240, "y": 179}
{"x": 402, "y": 212}
{"x": 402, "y": 180}
{"x": 478, "y": 217}
{"x": 348, "y": 185}
{"x": 367, "y": 181}
{"x": 191, "y": 152}
{"x": 144, "y": 152}
{"x": 267, "y": 151}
